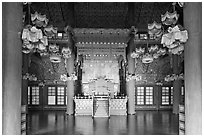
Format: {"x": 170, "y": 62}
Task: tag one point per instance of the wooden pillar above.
{"x": 193, "y": 68}
{"x": 12, "y": 13}
{"x": 176, "y": 85}
{"x": 131, "y": 83}
{"x": 157, "y": 96}
{"x": 70, "y": 83}
{"x": 24, "y": 95}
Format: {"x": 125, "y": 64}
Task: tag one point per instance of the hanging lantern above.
{"x": 169, "y": 18}
{"x": 147, "y": 58}
{"x": 66, "y": 52}
{"x": 161, "y": 51}
{"x": 50, "y": 31}
{"x": 32, "y": 34}
{"x": 39, "y": 20}
{"x": 174, "y": 39}
{"x": 153, "y": 48}
{"x": 177, "y": 50}
{"x": 53, "y": 48}
{"x": 134, "y": 55}
{"x": 33, "y": 39}
{"x": 55, "y": 58}
{"x": 154, "y": 28}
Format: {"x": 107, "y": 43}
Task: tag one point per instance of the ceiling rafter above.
{"x": 62, "y": 12}
{"x": 138, "y": 18}
{"x": 50, "y": 17}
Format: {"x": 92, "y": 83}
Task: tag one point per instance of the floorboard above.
{"x": 142, "y": 123}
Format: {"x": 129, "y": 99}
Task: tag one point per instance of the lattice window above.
{"x": 66, "y": 96}
{"x": 172, "y": 92}
{"x": 182, "y": 91}
{"x": 35, "y": 95}
{"x": 140, "y": 96}
{"x": 165, "y": 95}
{"x": 149, "y": 96}
{"x": 29, "y": 95}
{"x": 51, "y": 96}
{"x": 60, "y": 95}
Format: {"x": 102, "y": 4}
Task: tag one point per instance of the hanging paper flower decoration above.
{"x": 64, "y": 77}
{"x": 174, "y": 39}
{"x": 33, "y": 39}
{"x": 169, "y": 18}
{"x": 66, "y": 52}
{"x": 133, "y": 77}
{"x": 177, "y": 50}
{"x": 30, "y": 77}
{"x": 134, "y": 55}
{"x": 39, "y": 20}
{"x": 174, "y": 77}
{"x": 50, "y": 31}
{"x": 42, "y": 84}
{"x": 32, "y": 34}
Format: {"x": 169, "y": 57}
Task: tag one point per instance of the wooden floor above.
{"x": 142, "y": 123}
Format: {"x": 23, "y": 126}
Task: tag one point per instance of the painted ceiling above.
{"x": 103, "y": 14}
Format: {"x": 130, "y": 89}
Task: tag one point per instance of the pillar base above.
{"x": 69, "y": 113}
{"x": 131, "y": 113}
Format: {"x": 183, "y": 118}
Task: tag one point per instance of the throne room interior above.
{"x": 101, "y": 68}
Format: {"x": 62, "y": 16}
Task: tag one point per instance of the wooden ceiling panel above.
{"x": 102, "y": 15}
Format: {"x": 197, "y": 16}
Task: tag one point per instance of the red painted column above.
{"x": 12, "y": 14}
{"x": 70, "y": 84}
{"x": 193, "y": 68}
{"x": 176, "y": 85}
{"x": 24, "y": 95}
{"x": 131, "y": 83}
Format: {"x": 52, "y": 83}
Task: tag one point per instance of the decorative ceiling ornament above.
{"x": 55, "y": 58}
{"x": 169, "y": 18}
{"x": 39, "y": 20}
{"x": 50, "y": 31}
{"x": 66, "y": 52}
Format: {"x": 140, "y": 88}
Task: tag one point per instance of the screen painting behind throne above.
{"x": 101, "y": 50}
{"x": 100, "y": 77}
